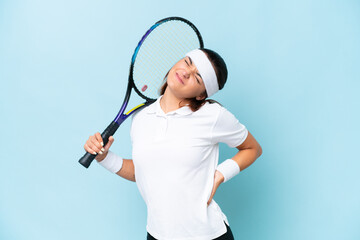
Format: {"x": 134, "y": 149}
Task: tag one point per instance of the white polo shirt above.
{"x": 175, "y": 156}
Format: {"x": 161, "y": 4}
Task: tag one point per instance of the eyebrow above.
{"x": 190, "y": 60}
{"x": 191, "y": 64}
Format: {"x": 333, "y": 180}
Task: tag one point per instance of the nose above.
{"x": 188, "y": 71}
{"x": 186, "y": 74}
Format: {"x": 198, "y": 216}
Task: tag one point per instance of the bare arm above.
{"x": 249, "y": 151}
{"x": 127, "y": 171}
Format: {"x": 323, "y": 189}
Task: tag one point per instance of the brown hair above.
{"x": 221, "y": 74}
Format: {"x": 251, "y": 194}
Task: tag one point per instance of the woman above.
{"x": 176, "y": 149}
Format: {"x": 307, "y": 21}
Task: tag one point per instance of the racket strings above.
{"x": 163, "y": 47}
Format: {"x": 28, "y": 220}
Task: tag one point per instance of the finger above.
{"x": 110, "y": 142}
{"x": 96, "y": 146}
{"x": 211, "y": 196}
{"x": 99, "y": 139}
{"x": 89, "y": 149}
{"x": 91, "y": 145}
{"x": 209, "y": 200}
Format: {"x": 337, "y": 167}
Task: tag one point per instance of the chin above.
{"x": 174, "y": 89}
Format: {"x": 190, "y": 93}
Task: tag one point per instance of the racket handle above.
{"x": 109, "y": 131}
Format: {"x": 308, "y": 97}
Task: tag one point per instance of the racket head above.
{"x": 164, "y": 44}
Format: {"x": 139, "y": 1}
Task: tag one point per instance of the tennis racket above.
{"x": 165, "y": 43}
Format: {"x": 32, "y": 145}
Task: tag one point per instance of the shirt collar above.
{"x": 156, "y": 108}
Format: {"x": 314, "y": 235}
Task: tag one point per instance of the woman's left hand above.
{"x": 218, "y": 179}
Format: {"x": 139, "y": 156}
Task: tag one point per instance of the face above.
{"x": 185, "y": 81}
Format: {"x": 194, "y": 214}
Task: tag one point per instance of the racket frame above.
{"x": 121, "y": 117}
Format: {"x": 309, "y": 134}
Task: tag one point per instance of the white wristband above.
{"x": 229, "y": 168}
{"x": 112, "y": 162}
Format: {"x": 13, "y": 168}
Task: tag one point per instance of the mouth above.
{"x": 179, "y": 78}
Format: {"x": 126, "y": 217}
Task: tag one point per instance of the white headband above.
{"x": 206, "y": 70}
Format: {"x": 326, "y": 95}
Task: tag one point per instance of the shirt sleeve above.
{"x": 228, "y": 129}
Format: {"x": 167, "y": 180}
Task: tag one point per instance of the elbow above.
{"x": 259, "y": 151}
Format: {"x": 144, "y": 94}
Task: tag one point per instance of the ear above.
{"x": 201, "y": 97}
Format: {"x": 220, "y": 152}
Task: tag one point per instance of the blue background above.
{"x": 294, "y": 71}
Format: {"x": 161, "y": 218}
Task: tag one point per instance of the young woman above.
{"x": 176, "y": 149}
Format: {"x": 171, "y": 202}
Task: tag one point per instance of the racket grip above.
{"x": 109, "y": 131}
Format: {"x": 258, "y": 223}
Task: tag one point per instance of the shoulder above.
{"x": 144, "y": 112}
{"x": 209, "y": 109}
{"x": 221, "y": 115}
{"x": 214, "y": 109}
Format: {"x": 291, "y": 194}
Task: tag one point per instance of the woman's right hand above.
{"x": 95, "y": 145}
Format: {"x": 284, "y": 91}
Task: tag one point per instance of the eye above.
{"x": 187, "y": 62}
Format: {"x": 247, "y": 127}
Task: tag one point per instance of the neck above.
{"x": 169, "y": 102}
